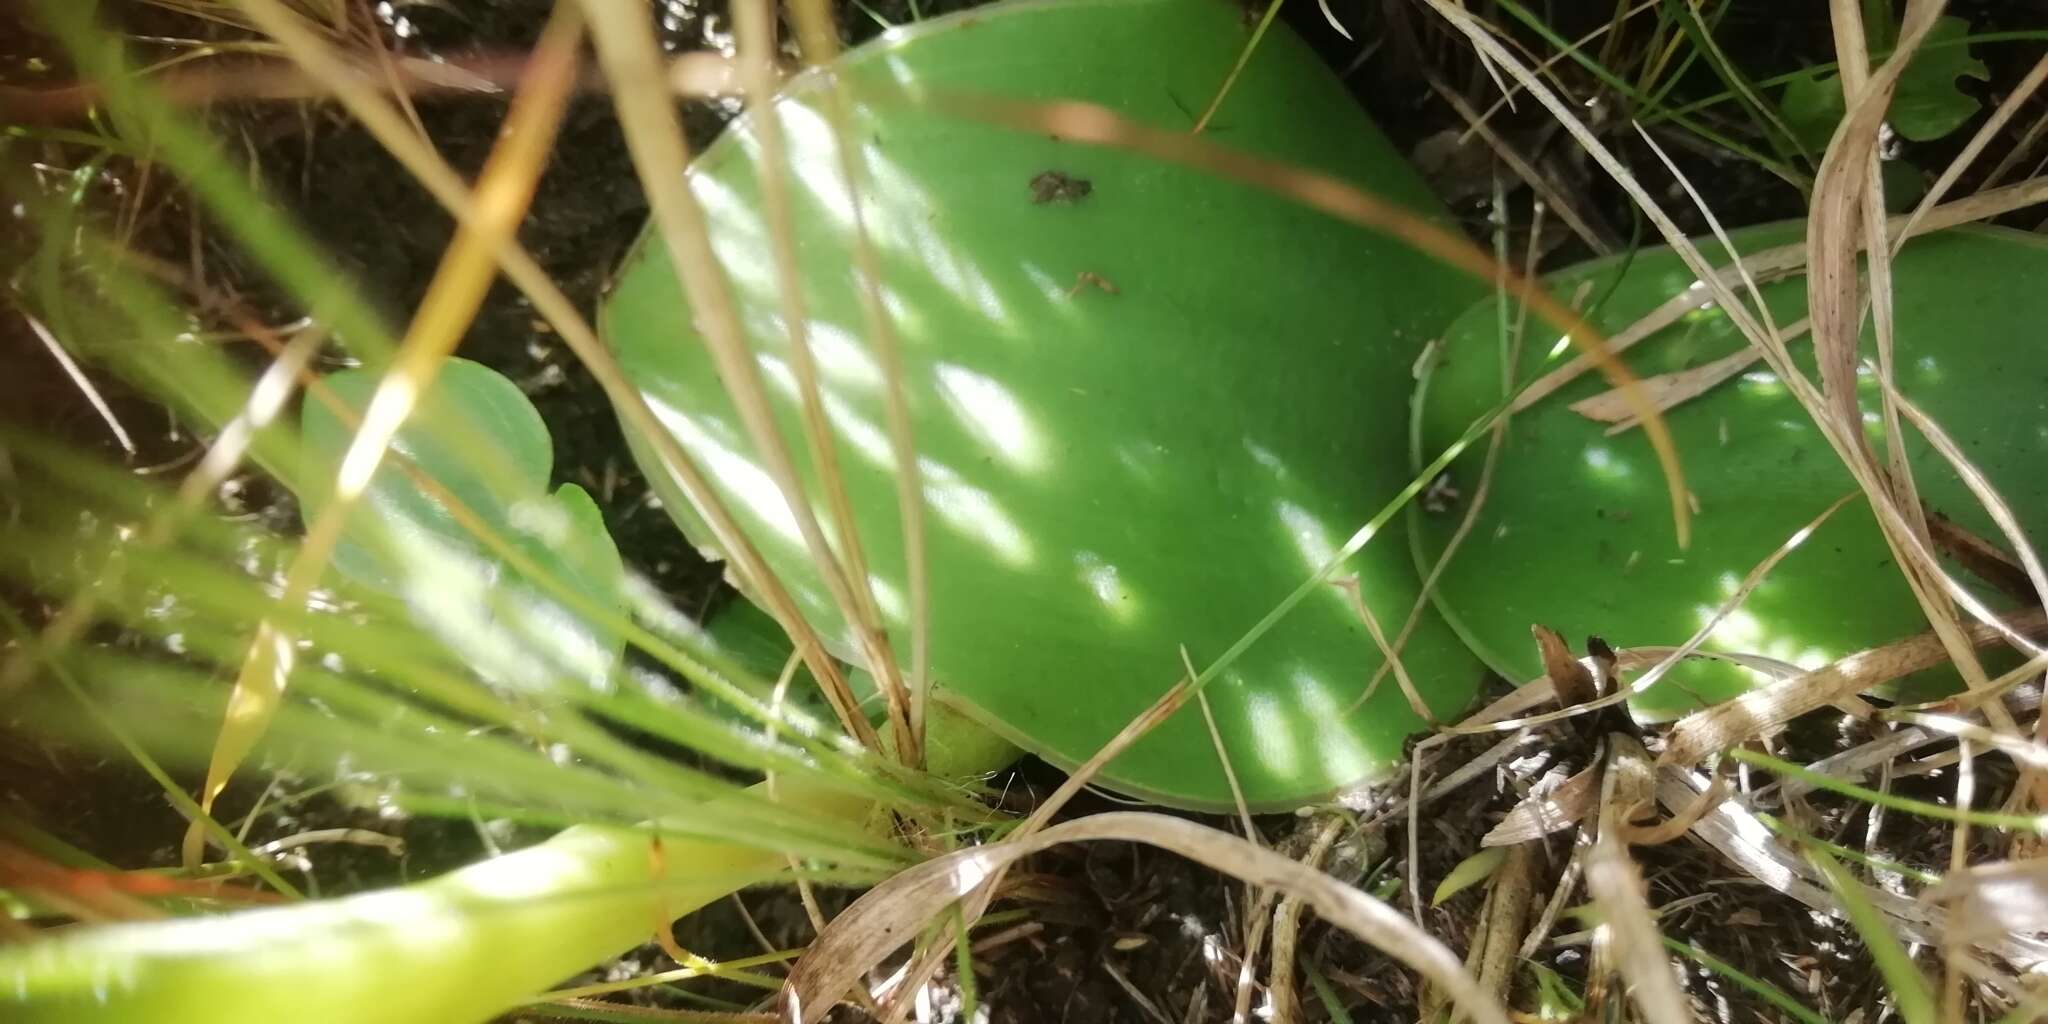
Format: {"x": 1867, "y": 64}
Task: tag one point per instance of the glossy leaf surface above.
{"x": 480, "y": 441}
{"x": 1573, "y": 536}
{"x": 1148, "y": 403}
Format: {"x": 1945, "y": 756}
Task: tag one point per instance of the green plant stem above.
{"x": 461, "y": 947}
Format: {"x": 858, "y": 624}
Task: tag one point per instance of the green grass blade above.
{"x": 1992, "y": 819}
{"x": 1755, "y": 986}
{"x": 1911, "y": 994}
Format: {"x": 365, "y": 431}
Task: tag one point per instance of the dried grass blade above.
{"x": 1980, "y": 487}
{"x": 82, "y": 382}
{"x": 1389, "y": 653}
{"x": 632, "y": 61}
{"x": 1507, "y": 917}
{"x": 819, "y": 43}
{"x": 891, "y": 914}
{"x": 1244, "y": 814}
{"x": 1496, "y": 440}
{"x": 1668, "y": 391}
{"x": 1600, "y": 240}
{"x": 2030, "y": 753}
{"x": 1617, "y": 888}
{"x": 1753, "y": 579}
{"x": 1773, "y": 264}
{"x": 1280, "y": 987}
{"x": 1766, "y": 709}
{"x": 1547, "y": 811}
{"x": 1566, "y": 117}
{"x": 979, "y": 896}
{"x": 2014, "y": 100}
{"x": 754, "y": 27}
{"x": 439, "y": 179}
{"x": 1991, "y": 899}
{"x": 1847, "y": 216}
{"x": 391, "y": 130}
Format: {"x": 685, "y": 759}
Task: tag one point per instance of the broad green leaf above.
{"x": 1813, "y": 106}
{"x": 1143, "y": 415}
{"x": 1912, "y": 996}
{"x": 1571, "y": 534}
{"x": 483, "y": 445}
{"x": 470, "y": 406}
{"x": 1927, "y": 105}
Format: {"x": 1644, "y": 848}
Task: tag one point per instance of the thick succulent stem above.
{"x": 462, "y": 947}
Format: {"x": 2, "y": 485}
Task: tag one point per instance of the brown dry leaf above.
{"x": 1547, "y": 811}
{"x": 1628, "y": 784}
{"x": 891, "y": 914}
{"x": 1280, "y": 986}
{"x": 2009, "y": 897}
{"x": 1764, "y": 710}
{"x": 1667, "y": 390}
{"x": 1980, "y": 557}
{"x": 1507, "y": 916}
{"x": 1572, "y": 681}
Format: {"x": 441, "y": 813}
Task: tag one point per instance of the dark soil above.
{"x": 1169, "y": 929}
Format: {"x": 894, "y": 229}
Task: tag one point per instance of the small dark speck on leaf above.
{"x": 1059, "y": 187}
